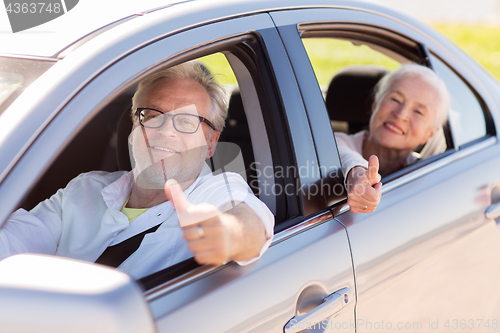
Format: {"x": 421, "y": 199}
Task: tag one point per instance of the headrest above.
{"x": 236, "y": 127}
{"x": 350, "y": 95}
{"x": 122, "y": 149}
{"x": 235, "y": 107}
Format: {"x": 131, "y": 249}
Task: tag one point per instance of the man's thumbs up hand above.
{"x": 205, "y": 232}
{"x": 188, "y": 213}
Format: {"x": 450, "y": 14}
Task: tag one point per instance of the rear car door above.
{"x": 428, "y": 256}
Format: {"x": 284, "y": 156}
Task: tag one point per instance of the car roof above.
{"x": 89, "y": 18}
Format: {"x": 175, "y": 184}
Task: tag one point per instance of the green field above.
{"x": 481, "y": 42}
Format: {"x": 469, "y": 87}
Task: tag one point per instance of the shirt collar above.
{"x": 116, "y": 193}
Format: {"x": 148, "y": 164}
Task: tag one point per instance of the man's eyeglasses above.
{"x": 183, "y": 122}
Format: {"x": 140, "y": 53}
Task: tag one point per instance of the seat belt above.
{"x": 116, "y": 254}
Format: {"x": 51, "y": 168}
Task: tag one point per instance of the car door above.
{"x": 306, "y": 278}
{"x": 428, "y": 257}
{"x": 294, "y": 276}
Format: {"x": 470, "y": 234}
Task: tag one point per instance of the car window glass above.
{"x": 466, "y": 116}
{"x": 16, "y": 75}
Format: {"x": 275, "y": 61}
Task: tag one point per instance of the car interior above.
{"x": 103, "y": 143}
{"x": 357, "y": 64}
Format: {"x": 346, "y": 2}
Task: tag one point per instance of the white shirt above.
{"x": 83, "y": 219}
{"x": 350, "y": 149}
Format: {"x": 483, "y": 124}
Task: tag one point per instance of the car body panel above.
{"x": 406, "y": 253}
{"x": 65, "y": 116}
{"x": 430, "y": 267}
{"x": 426, "y": 255}
{"x": 264, "y": 296}
{"x": 101, "y": 299}
{"x": 86, "y": 18}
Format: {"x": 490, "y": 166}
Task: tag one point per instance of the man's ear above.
{"x": 212, "y": 143}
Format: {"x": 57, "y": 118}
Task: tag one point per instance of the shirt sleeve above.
{"x": 260, "y": 209}
{"x": 350, "y": 152}
{"x": 350, "y": 156}
{"x": 36, "y": 231}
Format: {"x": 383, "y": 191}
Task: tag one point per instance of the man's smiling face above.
{"x": 164, "y": 153}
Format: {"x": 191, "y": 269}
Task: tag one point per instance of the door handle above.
{"x": 493, "y": 211}
{"x": 331, "y": 305}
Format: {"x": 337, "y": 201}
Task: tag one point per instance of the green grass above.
{"x": 217, "y": 63}
{"x": 481, "y": 42}
{"x": 329, "y": 55}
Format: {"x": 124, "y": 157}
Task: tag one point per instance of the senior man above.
{"x": 170, "y": 207}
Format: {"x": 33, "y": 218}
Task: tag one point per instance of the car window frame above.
{"x": 488, "y": 119}
{"x": 114, "y": 76}
{"x": 299, "y": 20}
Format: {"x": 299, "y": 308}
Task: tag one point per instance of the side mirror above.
{"x": 45, "y": 294}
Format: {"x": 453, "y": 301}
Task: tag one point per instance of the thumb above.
{"x": 373, "y": 166}
{"x": 174, "y": 193}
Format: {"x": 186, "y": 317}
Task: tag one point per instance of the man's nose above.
{"x": 168, "y": 127}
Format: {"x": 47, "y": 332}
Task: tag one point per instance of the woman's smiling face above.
{"x": 406, "y": 116}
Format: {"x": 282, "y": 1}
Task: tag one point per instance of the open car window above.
{"x": 247, "y": 146}
{"x": 349, "y": 65}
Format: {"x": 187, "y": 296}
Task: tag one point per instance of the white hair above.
{"x": 428, "y": 75}
{"x": 194, "y": 71}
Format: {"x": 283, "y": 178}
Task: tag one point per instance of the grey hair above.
{"x": 428, "y": 75}
{"x": 194, "y": 71}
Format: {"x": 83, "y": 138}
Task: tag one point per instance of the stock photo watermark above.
{"x": 264, "y": 180}
{"x": 429, "y": 325}
{"x": 28, "y": 14}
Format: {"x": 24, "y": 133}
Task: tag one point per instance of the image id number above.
{"x": 471, "y": 324}
{"x": 32, "y": 8}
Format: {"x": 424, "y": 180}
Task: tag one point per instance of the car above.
{"x": 427, "y": 259}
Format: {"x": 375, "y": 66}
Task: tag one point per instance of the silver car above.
{"x": 428, "y": 258}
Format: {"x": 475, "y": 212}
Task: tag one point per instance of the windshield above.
{"x": 16, "y": 74}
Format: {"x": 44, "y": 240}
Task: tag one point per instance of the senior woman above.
{"x": 410, "y": 106}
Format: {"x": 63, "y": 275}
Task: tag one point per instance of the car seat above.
{"x": 349, "y": 96}
{"x": 236, "y": 129}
